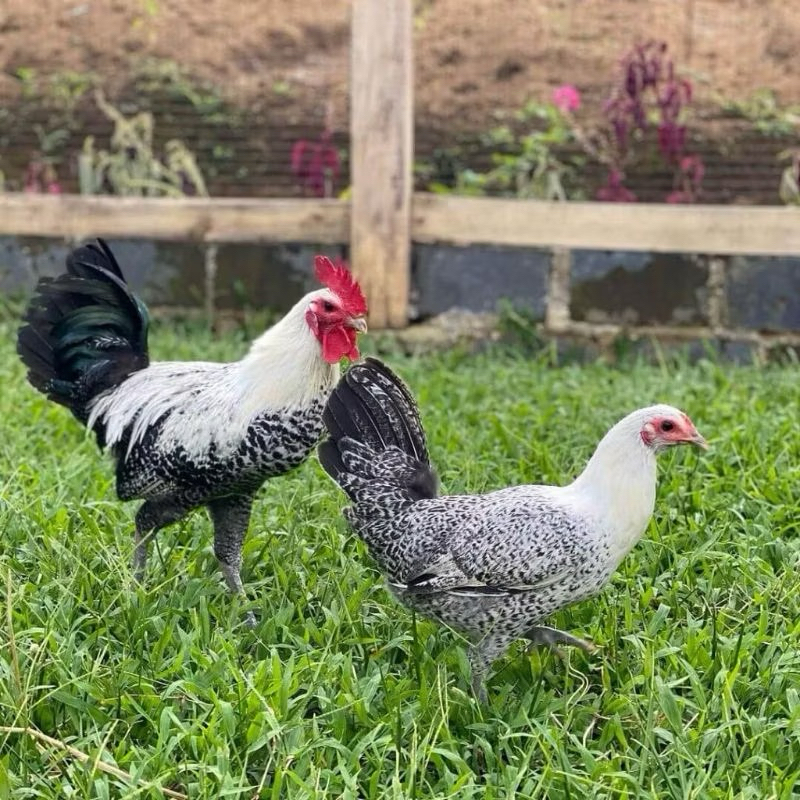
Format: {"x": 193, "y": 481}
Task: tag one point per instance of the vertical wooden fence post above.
{"x": 381, "y": 155}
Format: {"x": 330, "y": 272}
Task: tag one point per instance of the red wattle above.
{"x": 338, "y": 343}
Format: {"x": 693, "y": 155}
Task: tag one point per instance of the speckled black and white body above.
{"x": 495, "y": 565}
{"x": 188, "y": 434}
{"x": 223, "y": 473}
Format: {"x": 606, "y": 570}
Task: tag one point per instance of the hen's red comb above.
{"x": 338, "y": 278}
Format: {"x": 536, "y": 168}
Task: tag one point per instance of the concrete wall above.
{"x": 171, "y": 276}
{"x": 743, "y": 307}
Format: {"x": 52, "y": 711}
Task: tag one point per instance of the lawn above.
{"x": 694, "y": 691}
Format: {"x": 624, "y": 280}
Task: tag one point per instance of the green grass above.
{"x": 694, "y": 693}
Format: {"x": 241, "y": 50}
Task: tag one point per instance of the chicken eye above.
{"x": 327, "y": 306}
{"x": 667, "y": 426}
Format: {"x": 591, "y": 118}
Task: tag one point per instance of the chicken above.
{"x": 188, "y": 434}
{"x": 492, "y": 566}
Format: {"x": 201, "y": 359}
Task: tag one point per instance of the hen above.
{"x": 188, "y": 434}
{"x": 494, "y": 565}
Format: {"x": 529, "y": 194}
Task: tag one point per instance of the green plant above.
{"x": 282, "y": 88}
{"x": 520, "y": 330}
{"x": 66, "y": 88}
{"x": 538, "y": 163}
{"x": 50, "y": 141}
{"x": 29, "y": 81}
{"x": 535, "y": 164}
{"x": 765, "y": 112}
{"x": 155, "y": 75}
{"x": 131, "y": 166}
{"x": 147, "y": 13}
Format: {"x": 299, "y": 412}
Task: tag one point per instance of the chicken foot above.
{"x": 484, "y": 652}
{"x": 552, "y": 637}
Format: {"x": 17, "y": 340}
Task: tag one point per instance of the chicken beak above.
{"x": 358, "y": 324}
{"x": 698, "y": 440}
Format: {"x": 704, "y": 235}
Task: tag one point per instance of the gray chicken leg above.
{"x": 231, "y": 518}
{"x": 484, "y": 652}
{"x": 153, "y": 515}
{"x": 481, "y": 655}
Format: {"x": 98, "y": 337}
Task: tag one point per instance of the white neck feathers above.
{"x": 619, "y": 482}
{"x": 284, "y": 370}
{"x": 284, "y": 366}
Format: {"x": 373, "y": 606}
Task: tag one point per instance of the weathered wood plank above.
{"x": 721, "y": 230}
{"x": 190, "y": 219}
{"x": 381, "y": 155}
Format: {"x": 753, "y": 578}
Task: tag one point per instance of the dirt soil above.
{"x": 473, "y": 57}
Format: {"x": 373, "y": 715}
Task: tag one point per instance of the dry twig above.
{"x": 84, "y": 757}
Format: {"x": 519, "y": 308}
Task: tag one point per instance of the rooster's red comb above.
{"x": 338, "y": 278}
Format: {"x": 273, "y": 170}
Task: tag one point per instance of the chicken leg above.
{"x": 484, "y": 652}
{"x": 153, "y": 515}
{"x": 481, "y": 655}
{"x": 231, "y": 518}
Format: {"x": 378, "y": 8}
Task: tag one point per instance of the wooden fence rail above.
{"x": 717, "y": 230}
{"x": 655, "y": 228}
{"x": 181, "y": 219}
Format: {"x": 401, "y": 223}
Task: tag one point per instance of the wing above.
{"x": 511, "y": 542}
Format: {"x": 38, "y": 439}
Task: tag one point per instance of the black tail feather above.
{"x": 84, "y": 331}
{"x": 372, "y": 407}
{"x": 330, "y": 458}
{"x": 84, "y": 261}
{"x": 402, "y": 414}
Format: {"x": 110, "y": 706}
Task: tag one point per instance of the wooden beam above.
{"x": 718, "y": 230}
{"x": 190, "y": 219}
{"x": 381, "y": 155}
{"x": 710, "y": 230}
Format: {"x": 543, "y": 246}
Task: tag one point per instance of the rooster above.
{"x": 494, "y": 565}
{"x": 188, "y": 434}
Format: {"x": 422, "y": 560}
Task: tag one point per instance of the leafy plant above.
{"x": 156, "y": 75}
{"x": 316, "y": 164}
{"x": 28, "y": 78}
{"x": 131, "y": 166}
{"x": 765, "y": 112}
{"x": 650, "y": 100}
{"x": 66, "y": 88}
{"x": 539, "y": 163}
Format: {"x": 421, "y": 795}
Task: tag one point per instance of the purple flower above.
{"x": 316, "y": 164}
{"x": 671, "y": 140}
{"x": 566, "y": 98}
{"x": 613, "y": 191}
